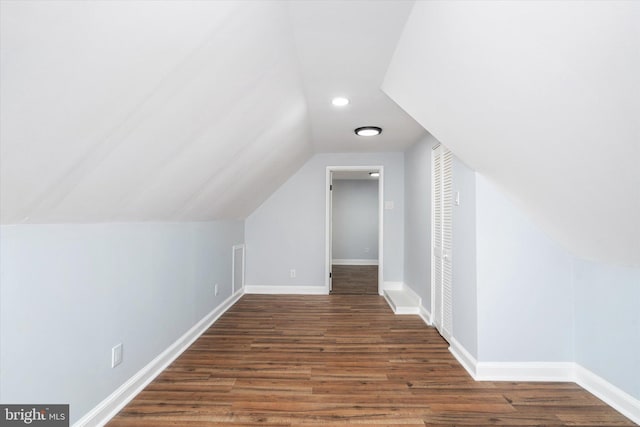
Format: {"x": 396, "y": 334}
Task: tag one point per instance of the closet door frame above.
{"x": 442, "y": 240}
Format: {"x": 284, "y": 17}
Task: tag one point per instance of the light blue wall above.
{"x": 464, "y": 275}
{"x": 288, "y": 230}
{"x": 517, "y": 295}
{"x": 607, "y": 318}
{"x": 355, "y": 219}
{"x": 525, "y": 295}
{"x": 417, "y": 217}
{"x": 417, "y": 263}
{"x": 69, "y": 293}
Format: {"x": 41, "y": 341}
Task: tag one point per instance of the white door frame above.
{"x": 328, "y": 215}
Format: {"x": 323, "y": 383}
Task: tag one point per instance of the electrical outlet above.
{"x": 116, "y": 355}
{"x": 292, "y": 273}
{"x": 215, "y": 289}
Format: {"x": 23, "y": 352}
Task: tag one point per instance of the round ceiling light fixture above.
{"x": 340, "y": 101}
{"x": 368, "y": 131}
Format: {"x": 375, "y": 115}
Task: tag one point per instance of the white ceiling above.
{"x": 198, "y": 110}
{"x": 344, "y": 48}
{"x": 544, "y": 99}
{"x": 183, "y": 110}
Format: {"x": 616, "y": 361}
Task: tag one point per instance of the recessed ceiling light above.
{"x": 368, "y": 131}
{"x": 340, "y": 101}
{"x": 374, "y": 174}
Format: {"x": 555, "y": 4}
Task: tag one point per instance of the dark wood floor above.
{"x": 354, "y": 280}
{"x": 341, "y": 359}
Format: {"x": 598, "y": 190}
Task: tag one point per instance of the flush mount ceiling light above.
{"x": 340, "y": 101}
{"x": 368, "y": 131}
{"x": 374, "y": 174}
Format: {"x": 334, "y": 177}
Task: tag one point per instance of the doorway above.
{"x": 354, "y": 229}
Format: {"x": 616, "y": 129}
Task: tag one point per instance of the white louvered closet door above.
{"x": 442, "y": 228}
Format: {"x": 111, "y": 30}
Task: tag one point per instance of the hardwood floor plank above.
{"x": 341, "y": 360}
{"x": 354, "y": 279}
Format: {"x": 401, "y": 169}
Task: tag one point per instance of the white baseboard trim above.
{"x": 411, "y": 293}
{"x": 402, "y": 287}
{"x": 618, "y": 399}
{"x": 354, "y": 262}
{"x": 286, "y": 290}
{"x": 465, "y": 358}
{"x": 392, "y": 286}
{"x": 387, "y": 298}
{"x": 399, "y": 303}
{"x": 401, "y": 298}
{"x": 117, "y": 400}
{"x": 524, "y": 371}
{"x": 415, "y": 307}
{"x": 425, "y": 315}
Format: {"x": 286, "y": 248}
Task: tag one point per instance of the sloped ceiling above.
{"x": 344, "y": 48}
{"x": 544, "y": 99}
{"x": 168, "y": 110}
{"x": 183, "y": 110}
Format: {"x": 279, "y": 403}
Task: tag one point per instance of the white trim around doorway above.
{"x": 328, "y": 241}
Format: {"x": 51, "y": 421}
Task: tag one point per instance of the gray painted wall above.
{"x": 607, "y": 323}
{"x": 518, "y": 296}
{"x": 417, "y": 262}
{"x": 525, "y": 296}
{"x": 288, "y": 230}
{"x": 498, "y": 254}
{"x": 417, "y": 227}
{"x": 535, "y": 301}
{"x": 355, "y": 219}
{"x": 464, "y": 258}
{"x": 69, "y": 293}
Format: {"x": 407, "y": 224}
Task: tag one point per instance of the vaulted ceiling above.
{"x": 183, "y": 110}
{"x": 544, "y": 99}
{"x": 198, "y": 110}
